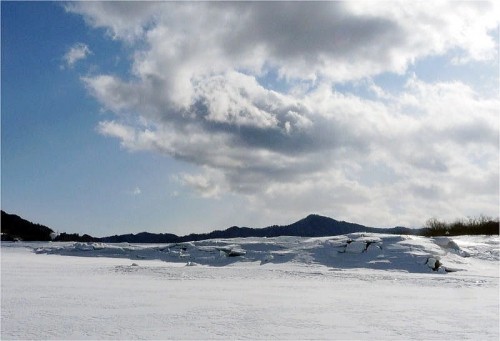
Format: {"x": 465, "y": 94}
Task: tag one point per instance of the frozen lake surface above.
{"x": 345, "y": 287}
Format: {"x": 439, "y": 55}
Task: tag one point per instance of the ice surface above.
{"x": 280, "y": 288}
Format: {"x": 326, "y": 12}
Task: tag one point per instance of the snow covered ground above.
{"x": 359, "y": 286}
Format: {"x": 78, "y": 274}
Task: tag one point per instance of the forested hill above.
{"x": 17, "y": 228}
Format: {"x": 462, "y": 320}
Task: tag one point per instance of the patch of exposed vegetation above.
{"x": 470, "y": 226}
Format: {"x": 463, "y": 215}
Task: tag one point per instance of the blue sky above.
{"x": 180, "y": 118}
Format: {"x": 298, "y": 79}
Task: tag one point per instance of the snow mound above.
{"x": 357, "y": 250}
{"x": 451, "y": 246}
{"x": 356, "y": 247}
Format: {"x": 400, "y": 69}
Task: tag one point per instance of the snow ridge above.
{"x": 406, "y": 253}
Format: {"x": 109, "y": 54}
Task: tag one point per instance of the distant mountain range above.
{"x": 311, "y": 226}
{"x": 16, "y": 228}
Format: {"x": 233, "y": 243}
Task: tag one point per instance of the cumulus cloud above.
{"x": 199, "y": 91}
{"x": 77, "y": 52}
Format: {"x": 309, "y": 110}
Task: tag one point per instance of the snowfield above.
{"x": 357, "y": 286}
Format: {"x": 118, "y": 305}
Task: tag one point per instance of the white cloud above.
{"x": 399, "y": 157}
{"x": 207, "y": 185}
{"x": 124, "y": 21}
{"x": 77, "y": 52}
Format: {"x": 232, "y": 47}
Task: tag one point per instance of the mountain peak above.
{"x": 314, "y": 216}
